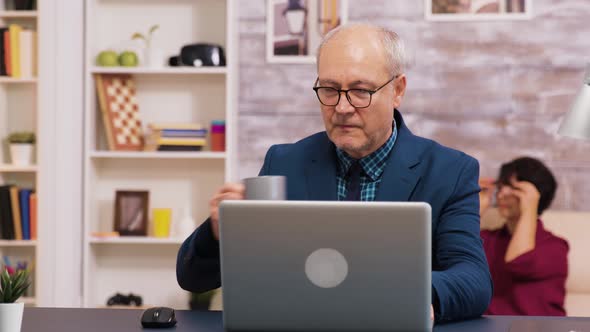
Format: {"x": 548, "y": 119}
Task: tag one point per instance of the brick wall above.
{"x": 494, "y": 89}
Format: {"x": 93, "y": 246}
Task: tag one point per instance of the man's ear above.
{"x": 399, "y": 89}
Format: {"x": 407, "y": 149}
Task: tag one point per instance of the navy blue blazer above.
{"x": 417, "y": 170}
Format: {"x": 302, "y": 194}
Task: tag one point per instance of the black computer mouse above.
{"x": 158, "y": 317}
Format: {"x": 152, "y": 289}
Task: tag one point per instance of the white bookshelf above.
{"x": 8, "y": 168}
{"x": 12, "y": 80}
{"x": 19, "y": 111}
{"x": 18, "y": 243}
{"x": 139, "y": 240}
{"x": 160, "y": 71}
{"x": 157, "y": 155}
{"x": 24, "y": 14}
{"x": 174, "y": 179}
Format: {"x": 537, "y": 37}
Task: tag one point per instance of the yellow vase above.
{"x": 162, "y": 220}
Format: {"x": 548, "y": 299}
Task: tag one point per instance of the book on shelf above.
{"x": 175, "y": 126}
{"x": 7, "y": 229}
{"x": 105, "y": 235}
{"x": 33, "y": 214}
{"x": 180, "y": 133}
{"x": 25, "y": 208}
{"x": 181, "y": 141}
{"x": 16, "y": 219}
{"x": 15, "y": 31}
{"x": 3, "y": 69}
{"x": 176, "y": 137}
{"x": 27, "y": 53}
{"x": 180, "y": 148}
{"x": 18, "y": 51}
{"x": 6, "y": 51}
{"x": 17, "y": 212}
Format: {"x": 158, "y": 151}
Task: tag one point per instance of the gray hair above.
{"x": 394, "y": 45}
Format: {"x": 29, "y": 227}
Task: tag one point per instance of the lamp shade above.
{"x": 295, "y": 14}
{"x": 577, "y": 121}
{"x": 295, "y": 21}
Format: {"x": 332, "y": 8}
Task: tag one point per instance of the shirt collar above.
{"x": 373, "y": 164}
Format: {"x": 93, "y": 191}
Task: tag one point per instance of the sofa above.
{"x": 575, "y": 228}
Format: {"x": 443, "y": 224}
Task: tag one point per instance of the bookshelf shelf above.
{"x": 12, "y": 80}
{"x": 18, "y": 14}
{"x": 18, "y": 243}
{"x": 7, "y": 168}
{"x": 160, "y": 71}
{"x": 156, "y": 155}
{"x": 140, "y": 240}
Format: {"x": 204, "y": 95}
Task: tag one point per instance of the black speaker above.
{"x": 198, "y": 55}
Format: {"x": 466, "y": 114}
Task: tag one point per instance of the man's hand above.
{"x": 228, "y": 191}
{"x": 485, "y": 195}
{"x": 432, "y": 314}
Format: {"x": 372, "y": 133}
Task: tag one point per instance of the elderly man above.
{"x": 367, "y": 153}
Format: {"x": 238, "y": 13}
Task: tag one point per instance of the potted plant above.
{"x": 21, "y": 147}
{"x": 153, "y": 57}
{"x": 12, "y": 286}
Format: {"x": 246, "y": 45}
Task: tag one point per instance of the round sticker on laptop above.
{"x": 326, "y": 268}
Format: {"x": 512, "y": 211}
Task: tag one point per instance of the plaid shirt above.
{"x": 373, "y": 166}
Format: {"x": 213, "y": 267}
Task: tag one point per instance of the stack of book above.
{"x": 18, "y": 213}
{"x": 176, "y": 137}
{"x": 18, "y": 52}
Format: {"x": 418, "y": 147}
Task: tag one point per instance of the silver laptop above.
{"x": 320, "y": 266}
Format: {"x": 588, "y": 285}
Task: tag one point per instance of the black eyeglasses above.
{"x": 358, "y": 98}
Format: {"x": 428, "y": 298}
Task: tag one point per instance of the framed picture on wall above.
{"x": 475, "y": 10}
{"x": 131, "y": 212}
{"x": 295, "y": 28}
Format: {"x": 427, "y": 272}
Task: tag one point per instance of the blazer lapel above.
{"x": 400, "y": 175}
{"x": 321, "y": 173}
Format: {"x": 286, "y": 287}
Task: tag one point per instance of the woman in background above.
{"x": 528, "y": 264}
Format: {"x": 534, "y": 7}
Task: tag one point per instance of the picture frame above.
{"x": 478, "y": 10}
{"x": 295, "y": 28}
{"x": 131, "y": 212}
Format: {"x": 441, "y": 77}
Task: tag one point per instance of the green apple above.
{"x": 107, "y": 59}
{"x": 128, "y": 59}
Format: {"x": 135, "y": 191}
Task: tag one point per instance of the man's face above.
{"x": 355, "y": 59}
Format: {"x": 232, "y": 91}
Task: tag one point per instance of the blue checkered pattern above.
{"x": 373, "y": 166}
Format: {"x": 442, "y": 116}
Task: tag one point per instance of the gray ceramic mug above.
{"x": 268, "y": 187}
